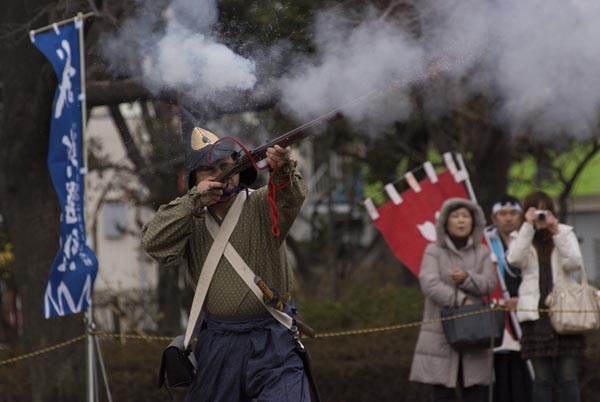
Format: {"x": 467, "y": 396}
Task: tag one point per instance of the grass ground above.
{"x": 351, "y": 368}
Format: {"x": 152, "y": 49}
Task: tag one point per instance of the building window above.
{"x": 115, "y": 219}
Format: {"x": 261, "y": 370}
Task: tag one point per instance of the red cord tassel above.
{"x": 271, "y": 196}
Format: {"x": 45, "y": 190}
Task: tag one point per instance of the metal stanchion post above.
{"x": 103, "y": 369}
{"x": 90, "y": 361}
{"x": 94, "y": 356}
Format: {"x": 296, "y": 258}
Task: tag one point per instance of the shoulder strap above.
{"x": 583, "y": 279}
{"x": 212, "y": 259}
{"x": 246, "y": 273}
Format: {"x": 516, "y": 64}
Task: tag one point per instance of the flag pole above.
{"x": 93, "y": 347}
{"x": 79, "y": 16}
{"x": 89, "y": 319}
{"x": 503, "y": 288}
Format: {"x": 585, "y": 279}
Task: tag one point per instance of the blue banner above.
{"x": 71, "y": 281}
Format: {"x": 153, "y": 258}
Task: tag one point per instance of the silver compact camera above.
{"x": 541, "y": 214}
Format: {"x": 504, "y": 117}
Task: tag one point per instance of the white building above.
{"x": 127, "y": 278}
{"x": 584, "y": 216}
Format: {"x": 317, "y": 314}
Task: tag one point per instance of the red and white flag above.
{"x": 407, "y": 220}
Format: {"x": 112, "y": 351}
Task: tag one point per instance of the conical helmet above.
{"x": 203, "y": 149}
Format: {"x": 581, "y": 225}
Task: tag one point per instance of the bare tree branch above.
{"x": 115, "y": 92}
{"x": 108, "y": 93}
{"x": 390, "y": 9}
{"x": 133, "y": 153}
{"x": 564, "y": 195}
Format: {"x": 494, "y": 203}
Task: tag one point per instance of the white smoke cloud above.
{"x": 547, "y": 57}
{"x": 194, "y": 62}
{"x": 351, "y": 63}
{"x": 182, "y": 55}
{"x": 536, "y": 58}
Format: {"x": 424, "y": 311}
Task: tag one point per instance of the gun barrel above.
{"x": 284, "y": 140}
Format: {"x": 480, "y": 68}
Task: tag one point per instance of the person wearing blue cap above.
{"x": 243, "y": 352}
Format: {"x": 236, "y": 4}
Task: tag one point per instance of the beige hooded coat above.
{"x": 434, "y": 361}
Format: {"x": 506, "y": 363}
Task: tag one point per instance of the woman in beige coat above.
{"x": 457, "y": 268}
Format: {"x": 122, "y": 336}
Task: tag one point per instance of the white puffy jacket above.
{"x": 565, "y": 259}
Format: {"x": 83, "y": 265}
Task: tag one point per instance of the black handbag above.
{"x": 473, "y": 326}
{"x": 178, "y": 365}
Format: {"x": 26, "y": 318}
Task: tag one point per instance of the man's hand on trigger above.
{"x": 278, "y": 156}
{"x": 210, "y": 191}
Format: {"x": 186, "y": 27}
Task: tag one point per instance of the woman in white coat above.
{"x": 545, "y": 250}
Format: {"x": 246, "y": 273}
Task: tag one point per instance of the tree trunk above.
{"x": 489, "y": 167}
{"x": 169, "y": 301}
{"x": 31, "y": 211}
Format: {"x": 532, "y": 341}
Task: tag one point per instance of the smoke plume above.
{"x": 351, "y": 64}
{"x": 172, "y": 47}
{"x": 535, "y": 59}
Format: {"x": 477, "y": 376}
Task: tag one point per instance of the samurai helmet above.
{"x": 202, "y": 148}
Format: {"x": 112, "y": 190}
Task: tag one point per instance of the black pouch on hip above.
{"x": 178, "y": 365}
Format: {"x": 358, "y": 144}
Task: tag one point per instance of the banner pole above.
{"x": 79, "y": 20}
{"x": 503, "y": 288}
{"x": 92, "y": 384}
{"x": 90, "y": 361}
{"x": 60, "y": 23}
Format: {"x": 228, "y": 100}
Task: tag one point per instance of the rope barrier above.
{"x": 42, "y": 351}
{"x": 331, "y": 334}
{"x": 407, "y": 325}
{"x": 134, "y": 337}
